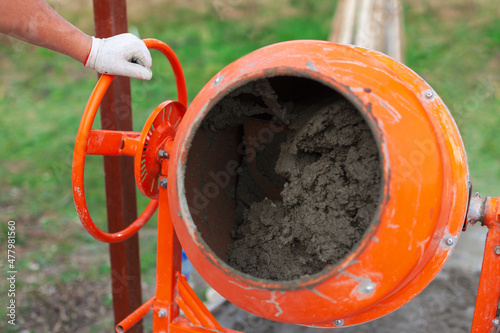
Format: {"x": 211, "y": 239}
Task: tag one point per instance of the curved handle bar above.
{"x": 81, "y": 145}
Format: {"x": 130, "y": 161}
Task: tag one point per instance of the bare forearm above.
{"x": 35, "y": 22}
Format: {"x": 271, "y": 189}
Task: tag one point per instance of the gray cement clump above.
{"x": 326, "y": 166}
{"x": 330, "y": 164}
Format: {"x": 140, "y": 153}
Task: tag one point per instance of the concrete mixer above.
{"x": 309, "y": 182}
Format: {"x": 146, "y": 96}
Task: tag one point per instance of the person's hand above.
{"x": 123, "y": 54}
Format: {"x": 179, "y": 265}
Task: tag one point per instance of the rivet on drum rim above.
{"x": 369, "y": 288}
{"x": 339, "y": 322}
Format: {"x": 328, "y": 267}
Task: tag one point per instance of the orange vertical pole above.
{"x": 110, "y": 18}
{"x": 168, "y": 261}
{"x": 485, "y": 313}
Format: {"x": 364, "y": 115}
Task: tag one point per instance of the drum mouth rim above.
{"x": 330, "y": 270}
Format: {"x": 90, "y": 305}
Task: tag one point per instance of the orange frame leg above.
{"x": 486, "y": 311}
{"x": 173, "y": 292}
{"x": 168, "y": 263}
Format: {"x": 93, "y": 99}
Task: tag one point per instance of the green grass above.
{"x": 42, "y": 96}
{"x": 460, "y": 58}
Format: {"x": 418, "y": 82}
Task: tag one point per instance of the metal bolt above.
{"x": 496, "y": 321}
{"x": 450, "y": 241}
{"x": 339, "y": 322}
{"x": 162, "y": 313}
{"x": 429, "y": 94}
{"x": 497, "y": 250}
{"x": 164, "y": 182}
{"x": 217, "y": 80}
{"x": 163, "y": 154}
{"x": 369, "y": 288}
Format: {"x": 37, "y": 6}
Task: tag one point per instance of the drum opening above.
{"x": 283, "y": 178}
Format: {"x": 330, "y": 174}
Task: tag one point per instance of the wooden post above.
{"x": 110, "y": 18}
{"x": 374, "y": 24}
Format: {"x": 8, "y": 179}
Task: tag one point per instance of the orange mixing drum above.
{"x": 310, "y": 183}
{"x": 422, "y": 196}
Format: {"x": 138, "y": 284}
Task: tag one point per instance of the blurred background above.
{"x": 63, "y": 281}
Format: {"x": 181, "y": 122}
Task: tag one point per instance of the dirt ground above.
{"x": 446, "y": 305}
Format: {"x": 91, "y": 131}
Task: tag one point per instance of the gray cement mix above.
{"x": 328, "y": 167}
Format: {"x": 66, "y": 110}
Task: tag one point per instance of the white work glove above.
{"x": 123, "y": 54}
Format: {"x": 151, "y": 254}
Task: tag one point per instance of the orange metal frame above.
{"x": 157, "y": 150}
{"x": 151, "y": 165}
{"x": 487, "y": 212}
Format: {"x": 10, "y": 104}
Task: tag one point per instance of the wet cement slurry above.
{"x": 327, "y": 166}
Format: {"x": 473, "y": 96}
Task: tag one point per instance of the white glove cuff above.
{"x": 94, "y": 52}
